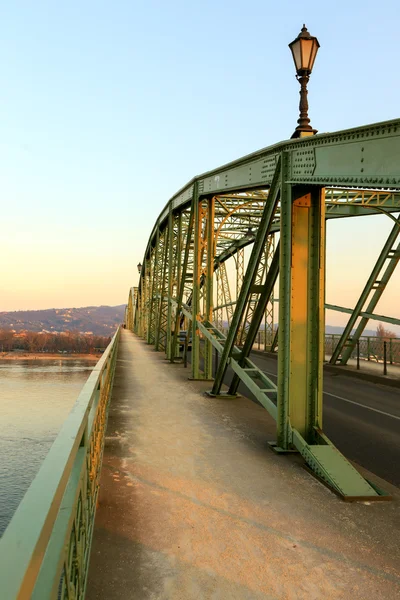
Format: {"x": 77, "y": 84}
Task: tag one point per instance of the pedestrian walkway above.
{"x": 194, "y": 505}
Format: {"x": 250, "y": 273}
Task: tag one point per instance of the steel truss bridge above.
{"x": 275, "y": 201}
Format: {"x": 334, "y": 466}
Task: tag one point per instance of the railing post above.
{"x": 384, "y": 359}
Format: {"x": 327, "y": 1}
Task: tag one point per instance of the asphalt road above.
{"x": 361, "y": 418}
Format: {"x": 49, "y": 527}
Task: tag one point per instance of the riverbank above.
{"x": 47, "y": 356}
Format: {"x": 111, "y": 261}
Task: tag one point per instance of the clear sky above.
{"x": 107, "y": 108}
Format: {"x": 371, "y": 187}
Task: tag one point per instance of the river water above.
{"x": 35, "y": 398}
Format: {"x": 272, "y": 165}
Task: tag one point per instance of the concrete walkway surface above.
{"x": 194, "y": 505}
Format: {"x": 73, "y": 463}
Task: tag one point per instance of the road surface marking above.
{"x": 381, "y": 412}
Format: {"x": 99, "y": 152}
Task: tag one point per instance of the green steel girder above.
{"x": 259, "y": 243}
{"x": 258, "y": 315}
{"x": 45, "y": 550}
{"x": 367, "y": 315}
{"x": 161, "y": 331}
{"x": 346, "y": 345}
{"x": 329, "y": 465}
{"x": 304, "y": 176}
{"x": 248, "y": 372}
{"x": 183, "y": 276}
{"x": 322, "y": 456}
{"x": 362, "y": 157}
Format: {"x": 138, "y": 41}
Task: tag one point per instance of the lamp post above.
{"x": 304, "y": 50}
{"x": 139, "y": 268}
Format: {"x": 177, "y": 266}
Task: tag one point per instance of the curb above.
{"x": 381, "y": 379}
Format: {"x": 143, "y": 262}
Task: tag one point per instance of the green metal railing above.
{"x": 370, "y": 348}
{"x": 44, "y": 552}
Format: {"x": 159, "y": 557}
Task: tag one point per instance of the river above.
{"x": 35, "y": 398}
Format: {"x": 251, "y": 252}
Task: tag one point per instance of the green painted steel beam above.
{"x": 183, "y": 274}
{"x": 195, "y": 300}
{"x": 266, "y": 394}
{"x": 387, "y": 253}
{"x": 258, "y": 315}
{"x": 337, "y": 211}
{"x": 263, "y": 230}
{"x": 37, "y": 523}
{"x": 283, "y": 332}
{"x": 359, "y": 157}
{"x": 367, "y": 315}
{"x": 48, "y": 580}
{"x": 331, "y": 466}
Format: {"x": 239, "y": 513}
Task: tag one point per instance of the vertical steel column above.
{"x": 134, "y": 304}
{"x": 161, "y": 332}
{"x": 170, "y": 282}
{"x": 208, "y": 283}
{"x": 151, "y": 334}
{"x": 146, "y": 295}
{"x": 139, "y": 311}
{"x": 197, "y": 222}
{"x": 239, "y": 270}
{"x": 184, "y": 275}
{"x": 301, "y": 312}
{"x": 269, "y": 310}
{"x": 131, "y": 308}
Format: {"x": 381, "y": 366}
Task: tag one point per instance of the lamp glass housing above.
{"x": 304, "y": 50}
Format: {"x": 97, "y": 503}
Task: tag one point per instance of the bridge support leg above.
{"x": 301, "y": 342}
{"x": 301, "y": 314}
{"x": 203, "y": 273}
{"x": 170, "y": 282}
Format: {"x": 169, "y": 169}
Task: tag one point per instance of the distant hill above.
{"x": 99, "y": 320}
{"x": 328, "y": 329}
{"x": 339, "y": 330}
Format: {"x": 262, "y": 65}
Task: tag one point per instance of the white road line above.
{"x": 381, "y": 412}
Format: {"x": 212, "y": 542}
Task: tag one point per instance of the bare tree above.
{"x": 6, "y": 340}
{"x": 383, "y": 333}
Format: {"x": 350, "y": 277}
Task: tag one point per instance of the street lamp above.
{"x": 304, "y": 50}
{"x": 139, "y": 268}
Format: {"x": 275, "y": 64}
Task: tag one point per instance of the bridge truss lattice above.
{"x": 271, "y": 205}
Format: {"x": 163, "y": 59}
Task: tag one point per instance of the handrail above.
{"x": 44, "y": 552}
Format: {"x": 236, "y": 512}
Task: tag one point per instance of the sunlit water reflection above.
{"x": 35, "y": 398}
